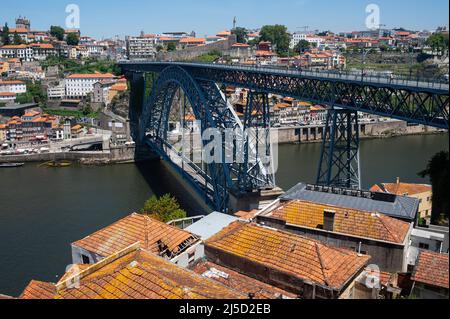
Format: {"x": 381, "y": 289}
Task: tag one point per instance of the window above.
{"x": 424, "y": 246}
{"x": 85, "y": 259}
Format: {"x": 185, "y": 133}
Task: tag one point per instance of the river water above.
{"x": 43, "y": 210}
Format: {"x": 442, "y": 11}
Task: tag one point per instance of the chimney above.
{"x": 398, "y": 180}
{"x": 328, "y": 220}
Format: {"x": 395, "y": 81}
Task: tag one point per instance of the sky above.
{"x": 108, "y": 18}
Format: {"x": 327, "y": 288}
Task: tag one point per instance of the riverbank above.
{"x": 116, "y": 155}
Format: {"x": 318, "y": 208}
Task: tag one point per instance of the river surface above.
{"x": 43, "y": 210}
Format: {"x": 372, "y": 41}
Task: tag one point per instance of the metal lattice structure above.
{"x": 216, "y": 180}
{"x": 417, "y": 102}
{"x": 339, "y": 162}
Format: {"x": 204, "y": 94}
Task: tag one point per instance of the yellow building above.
{"x": 423, "y": 192}
{"x": 2, "y": 132}
{"x": 4, "y": 67}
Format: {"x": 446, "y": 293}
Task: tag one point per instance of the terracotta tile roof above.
{"x": 39, "y": 290}
{"x": 7, "y": 94}
{"x": 247, "y": 215}
{"x": 346, "y": 221}
{"x": 431, "y": 269}
{"x": 12, "y": 46}
{"x": 91, "y": 76}
{"x": 296, "y": 256}
{"x": 401, "y": 189}
{"x": 385, "y": 277}
{"x": 134, "y": 274}
{"x": 11, "y": 82}
{"x": 239, "y": 282}
{"x": 192, "y": 40}
{"x": 137, "y": 228}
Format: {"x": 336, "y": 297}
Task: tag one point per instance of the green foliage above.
{"x": 57, "y": 32}
{"x": 171, "y": 47}
{"x": 164, "y": 209}
{"x": 209, "y": 57}
{"x": 35, "y": 93}
{"x": 302, "y": 46}
{"x": 278, "y": 36}
{"x": 159, "y": 48}
{"x": 17, "y": 40}
{"x": 438, "y": 42}
{"x": 72, "y": 113}
{"x": 5, "y": 35}
{"x": 437, "y": 171}
{"x": 87, "y": 67}
{"x": 72, "y": 39}
{"x": 241, "y": 34}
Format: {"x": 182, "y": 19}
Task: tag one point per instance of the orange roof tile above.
{"x": 306, "y": 259}
{"x": 238, "y": 282}
{"x": 401, "y": 189}
{"x": 137, "y": 228}
{"x": 247, "y": 215}
{"x": 39, "y": 290}
{"x": 192, "y": 40}
{"x": 21, "y": 46}
{"x": 11, "y": 82}
{"x": 346, "y": 221}
{"x": 134, "y": 274}
{"x": 7, "y": 94}
{"x": 91, "y": 76}
{"x": 431, "y": 269}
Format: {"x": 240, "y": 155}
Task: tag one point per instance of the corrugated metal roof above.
{"x": 211, "y": 225}
{"x": 403, "y": 207}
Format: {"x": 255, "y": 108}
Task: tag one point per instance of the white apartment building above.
{"x": 16, "y": 87}
{"x": 22, "y": 52}
{"x": 142, "y": 47}
{"x": 80, "y": 85}
{"x": 296, "y": 38}
{"x": 6, "y": 97}
{"x": 57, "y": 92}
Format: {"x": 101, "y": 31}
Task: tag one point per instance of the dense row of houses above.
{"x": 311, "y": 243}
{"x": 102, "y": 87}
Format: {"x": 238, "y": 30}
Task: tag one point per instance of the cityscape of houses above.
{"x": 313, "y": 242}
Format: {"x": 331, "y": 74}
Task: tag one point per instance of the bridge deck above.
{"x": 410, "y": 83}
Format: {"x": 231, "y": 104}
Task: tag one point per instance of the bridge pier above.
{"x": 339, "y": 163}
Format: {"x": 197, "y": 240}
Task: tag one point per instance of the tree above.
{"x": 438, "y": 42}
{"x": 164, "y": 209}
{"x": 57, "y": 32}
{"x": 437, "y": 171}
{"x": 72, "y": 39}
{"x": 171, "y": 46}
{"x": 241, "y": 34}
{"x": 5, "y": 35}
{"x": 17, "y": 40}
{"x": 159, "y": 48}
{"x": 278, "y": 36}
{"x": 302, "y": 46}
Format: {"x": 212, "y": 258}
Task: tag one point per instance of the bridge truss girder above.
{"x": 411, "y": 104}
{"x": 212, "y": 110}
{"x": 339, "y": 164}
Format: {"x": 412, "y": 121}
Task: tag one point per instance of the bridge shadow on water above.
{"x": 162, "y": 180}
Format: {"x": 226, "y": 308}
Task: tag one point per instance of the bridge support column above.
{"x": 339, "y": 163}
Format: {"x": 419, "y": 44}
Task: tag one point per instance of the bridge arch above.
{"x": 154, "y": 124}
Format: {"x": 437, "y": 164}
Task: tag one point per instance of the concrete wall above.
{"x": 368, "y": 130}
{"x": 123, "y": 154}
{"x": 389, "y": 257}
{"x": 193, "y": 52}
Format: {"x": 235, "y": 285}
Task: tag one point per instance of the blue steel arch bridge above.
{"x": 415, "y": 101}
